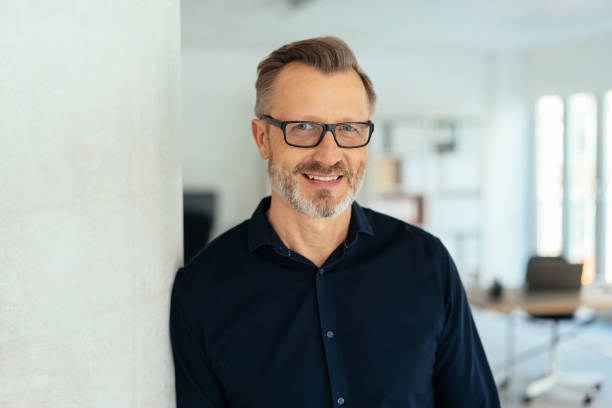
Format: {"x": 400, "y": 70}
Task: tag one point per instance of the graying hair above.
{"x": 327, "y": 54}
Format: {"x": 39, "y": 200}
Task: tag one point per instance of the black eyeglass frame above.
{"x": 326, "y": 126}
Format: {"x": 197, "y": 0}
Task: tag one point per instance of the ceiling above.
{"x": 483, "y": 25}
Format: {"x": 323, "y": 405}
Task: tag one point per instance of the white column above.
{"x": 506, "y": 181}
{"x": 90, "y": 201}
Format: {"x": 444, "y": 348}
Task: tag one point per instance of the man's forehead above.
{"x": 310, "y": 91}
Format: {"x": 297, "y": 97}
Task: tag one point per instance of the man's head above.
{"x": 315, "y": 80}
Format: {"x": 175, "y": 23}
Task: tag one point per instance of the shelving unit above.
{"x": 437, "y": 160}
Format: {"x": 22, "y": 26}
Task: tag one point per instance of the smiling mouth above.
{"x": 322, "y": 178}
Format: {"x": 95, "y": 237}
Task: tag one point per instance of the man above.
{"x": 315, "y": 301}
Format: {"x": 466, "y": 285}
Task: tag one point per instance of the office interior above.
{"x": 125, "y": 123}
{"x": 493, "y": 132}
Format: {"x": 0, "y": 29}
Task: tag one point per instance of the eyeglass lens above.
{"x": 308, "y": 134}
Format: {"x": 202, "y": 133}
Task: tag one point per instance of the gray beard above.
{"x": 286, "y": 186}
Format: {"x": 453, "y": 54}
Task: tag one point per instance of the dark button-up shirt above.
{"x": 384, "y": 323}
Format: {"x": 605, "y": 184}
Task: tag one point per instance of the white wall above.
{"x": 428, "y": 83}
{"x": 573, "y": 67}
{"x": 90, "y": 202}
{"x": 219, "y": 153}
{"x": 506, "y": 215}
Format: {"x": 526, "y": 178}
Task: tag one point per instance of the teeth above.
{"x": 323, "y": 178}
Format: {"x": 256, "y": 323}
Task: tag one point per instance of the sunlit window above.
{"x": 582, "y": 181}
{"x": 608, "y": 161}
{"x": 549, "y": 173}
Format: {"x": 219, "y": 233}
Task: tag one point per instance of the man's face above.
{"x": 304, "y": 93}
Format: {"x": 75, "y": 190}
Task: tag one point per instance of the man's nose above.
{"x": 328, "y": 152}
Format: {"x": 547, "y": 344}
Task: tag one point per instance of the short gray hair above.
{"x": 327, "y": 54}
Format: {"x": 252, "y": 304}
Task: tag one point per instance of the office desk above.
{"x": 594, "y": 297}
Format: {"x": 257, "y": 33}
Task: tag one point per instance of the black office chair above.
{"x": 548, "y": 275}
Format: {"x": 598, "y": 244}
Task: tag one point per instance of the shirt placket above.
{"x": 327, "y": 321}
{"x": 332, "y": 347}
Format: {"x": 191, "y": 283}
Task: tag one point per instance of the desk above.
{"x": 594, "y": 297}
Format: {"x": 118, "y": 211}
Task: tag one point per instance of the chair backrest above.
{"x": 552, "y": 274}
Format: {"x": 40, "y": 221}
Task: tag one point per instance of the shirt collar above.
{"x": 261, "y": 232}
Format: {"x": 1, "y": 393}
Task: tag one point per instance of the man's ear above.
{"x": 258, "y": 128}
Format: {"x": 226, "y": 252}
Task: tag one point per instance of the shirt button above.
{"x": 340, "y": 401}
{"x": 321, "y": 271}
{"x": 330, "y": 334}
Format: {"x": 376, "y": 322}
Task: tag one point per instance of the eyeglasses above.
{"x": 302, "y": 133}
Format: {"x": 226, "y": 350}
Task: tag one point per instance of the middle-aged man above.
{"x": 315, "y": 301}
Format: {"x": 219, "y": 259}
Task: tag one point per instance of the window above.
{"x": 608, "y": 185}
{"x": 582, "y": 182}
{"x": 568, "y": 156}
{"x": 549, "y": 175}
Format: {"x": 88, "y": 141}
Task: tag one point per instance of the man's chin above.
{"x": 324, "y": 207}
{"x": 324, "y": 202}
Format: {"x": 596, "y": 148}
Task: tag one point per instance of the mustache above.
{"x": 316, "y": 167}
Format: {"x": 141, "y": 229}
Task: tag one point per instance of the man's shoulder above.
{"x": 213, "y": 258}
{"x": 415, "y": 253}
{"x": 229, "y": 243}
{"x": 392, "y": 228}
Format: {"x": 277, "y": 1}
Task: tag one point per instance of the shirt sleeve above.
{"x": 462, "y": 376}
{"x": 196, "y": 384}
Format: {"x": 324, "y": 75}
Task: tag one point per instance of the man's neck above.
{"x": 312, "y": 237}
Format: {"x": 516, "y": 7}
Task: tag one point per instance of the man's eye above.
{"x": 302, "y": 126}
{"x": 347, "y": 128}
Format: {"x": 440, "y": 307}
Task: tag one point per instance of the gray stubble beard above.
{"x": 286, "y": 186}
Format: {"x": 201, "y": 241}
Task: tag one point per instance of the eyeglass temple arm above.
{"x": 273, "y": 121}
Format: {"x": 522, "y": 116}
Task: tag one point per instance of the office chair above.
{"x": 550, "y": 275}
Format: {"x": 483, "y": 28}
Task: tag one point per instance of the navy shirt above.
{"x": 384, "y": 323}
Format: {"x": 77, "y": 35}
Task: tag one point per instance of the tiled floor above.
{"x": 590, "y": 350}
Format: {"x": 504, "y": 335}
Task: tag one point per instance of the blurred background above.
{"x": 126, "y": 146}
{"x": 471, "y": 140}
{"x": 493, "y": 131}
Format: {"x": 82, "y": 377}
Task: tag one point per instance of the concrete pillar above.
{"x": 90, "y": 201}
